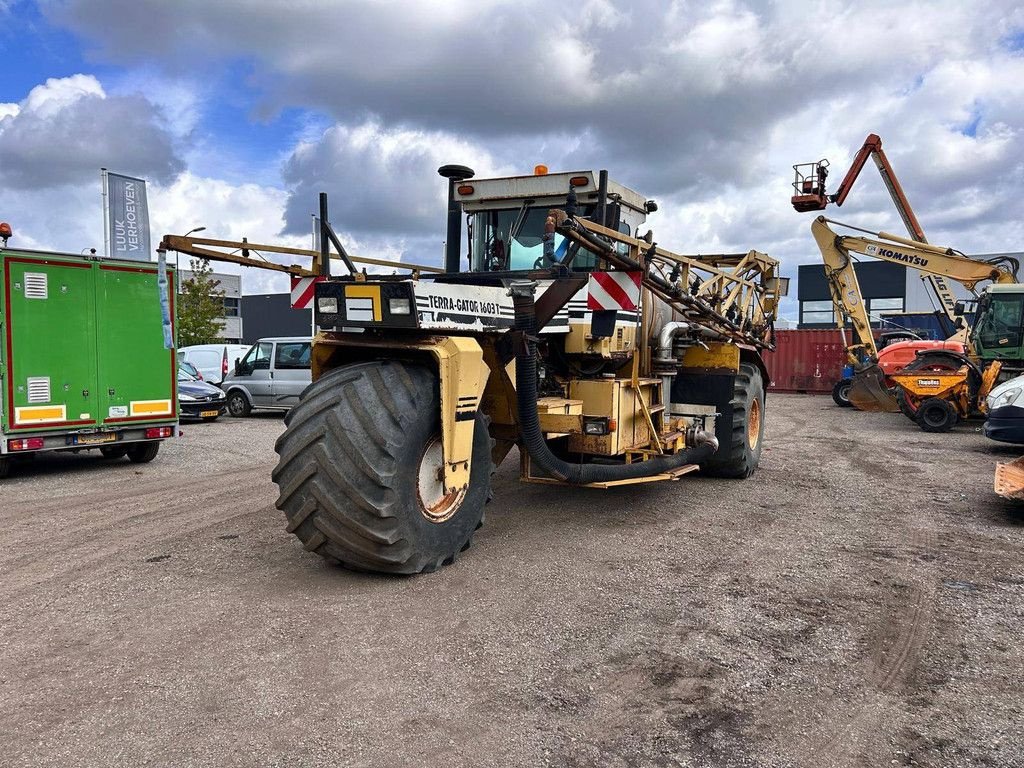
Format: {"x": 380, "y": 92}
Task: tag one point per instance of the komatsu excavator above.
{"x": 939, "y": 387}
{"x": 898, "y": 349}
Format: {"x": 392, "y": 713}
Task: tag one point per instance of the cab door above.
{"x": 999, "y": 327}
{"x": 255, "y": 374}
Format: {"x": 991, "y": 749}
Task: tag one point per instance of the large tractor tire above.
{"x": 359, "y": 471}
{"x": 740, "y": 428}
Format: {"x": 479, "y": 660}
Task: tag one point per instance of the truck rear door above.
{"x": 137, "y": 374}
{"x": 50, "y": 343}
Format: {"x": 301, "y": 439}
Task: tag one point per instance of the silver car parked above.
{"x": 272, "y": 374}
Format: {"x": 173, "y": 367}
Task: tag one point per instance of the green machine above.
{"x": 83, "y": 361}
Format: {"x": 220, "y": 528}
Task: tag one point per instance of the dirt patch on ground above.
{"x": 859, "y": 601}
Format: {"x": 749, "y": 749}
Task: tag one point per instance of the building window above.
{"x": 817, "y": 313}
{"x": 884, "y": 306}
{"x": 231, "y": 307}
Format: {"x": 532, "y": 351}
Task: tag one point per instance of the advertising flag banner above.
{"x": 127, "y": 217}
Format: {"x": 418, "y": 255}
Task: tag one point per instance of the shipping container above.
{"x": 806, "y": 360}
{"x": 83, "y": 360}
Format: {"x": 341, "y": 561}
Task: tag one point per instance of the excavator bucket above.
{"x": 1010, "y": 480}
{"x": 868, "y": 391}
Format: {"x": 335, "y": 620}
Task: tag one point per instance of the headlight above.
{"x": 219, "y": 392}
{"x": 186, "y": 398}
{"x": 1006, "y": 397}
{"x": 400, "y": 306}
{"x": 327, "y": 305}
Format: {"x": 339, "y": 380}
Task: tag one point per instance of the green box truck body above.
{"x": 82, "y": 356}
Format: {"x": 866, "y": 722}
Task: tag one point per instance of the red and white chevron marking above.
{"x": 613, "y": 290}
{"x": 303, "y": 289}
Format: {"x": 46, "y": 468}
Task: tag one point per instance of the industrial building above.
{"x": 231, "y": 285}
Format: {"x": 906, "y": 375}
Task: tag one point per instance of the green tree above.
{"x": 200, "y": 306}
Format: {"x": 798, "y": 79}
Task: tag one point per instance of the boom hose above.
{"x": 529, "y": 422}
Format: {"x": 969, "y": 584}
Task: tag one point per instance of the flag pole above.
{"x": 106, "y": 212}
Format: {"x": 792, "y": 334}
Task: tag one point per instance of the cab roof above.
{"x": 548, "y": 188}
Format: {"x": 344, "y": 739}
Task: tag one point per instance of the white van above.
{"x": 214, "y": 361}
{"x": 272, "y": 374}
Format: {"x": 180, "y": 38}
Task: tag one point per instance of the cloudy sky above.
{"x": 239, "y": 112}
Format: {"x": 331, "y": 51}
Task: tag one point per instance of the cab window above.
{"x": 1001, "y": 322}
{"x": 292, "y": 355}
{"x": 512, "y": 240}
{"x": 258, "y": 357}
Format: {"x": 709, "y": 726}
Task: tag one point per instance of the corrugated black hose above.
{"x": 529, "y": 423}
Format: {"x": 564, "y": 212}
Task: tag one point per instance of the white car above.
{"x": 213, "y": 361}
{"x": 1005, "y": 421}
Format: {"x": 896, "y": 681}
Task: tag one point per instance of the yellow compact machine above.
{"x": 555, "y": 327}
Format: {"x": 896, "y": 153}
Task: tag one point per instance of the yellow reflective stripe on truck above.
{"x": 40, "y": 414}
{"x": 150, "y": 407}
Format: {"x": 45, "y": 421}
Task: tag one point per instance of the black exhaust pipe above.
{"x": 452, "y": 244}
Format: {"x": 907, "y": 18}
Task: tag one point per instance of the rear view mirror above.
{"x": 238, "y": 367}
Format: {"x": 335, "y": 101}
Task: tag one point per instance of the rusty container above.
{"x": 806, "y": 361}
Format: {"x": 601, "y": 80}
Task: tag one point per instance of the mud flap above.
{"x": 1010, "y": 480}
{"x": 869, "y": 393}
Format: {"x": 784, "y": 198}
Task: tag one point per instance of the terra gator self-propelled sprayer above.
{"x": 559, "y": 329}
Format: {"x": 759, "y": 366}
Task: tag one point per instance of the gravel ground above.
{"x": 859, "y": 601}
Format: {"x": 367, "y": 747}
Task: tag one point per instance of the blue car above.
{"x": 198, "y": 400}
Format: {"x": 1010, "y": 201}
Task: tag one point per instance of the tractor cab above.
{"x": 998, "y": 332}
{"x": 505, "y": 217}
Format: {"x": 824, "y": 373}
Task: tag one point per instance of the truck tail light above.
{"x": 154, "y": 433}
{"x": 25, "y": 444}
{"x": 224, "y": 365}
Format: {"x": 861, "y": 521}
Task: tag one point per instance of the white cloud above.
{"x": 378, "y": 180}
{"x": 68, "y": 128}
{"x": 704, "y": 105}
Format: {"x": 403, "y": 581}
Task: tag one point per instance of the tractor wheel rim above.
{"x": 754, "y": 425}
{"x": 435, "y": 503}
{"x": 935, "y": 416}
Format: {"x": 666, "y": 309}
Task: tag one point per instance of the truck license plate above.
{"x": 109, "y": 437}
{"x": 207, "y": 414}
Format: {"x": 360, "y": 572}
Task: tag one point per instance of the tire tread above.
{"x": 338, "y": 459}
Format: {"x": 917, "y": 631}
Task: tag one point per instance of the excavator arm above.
{"x": 846, "y": 295}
